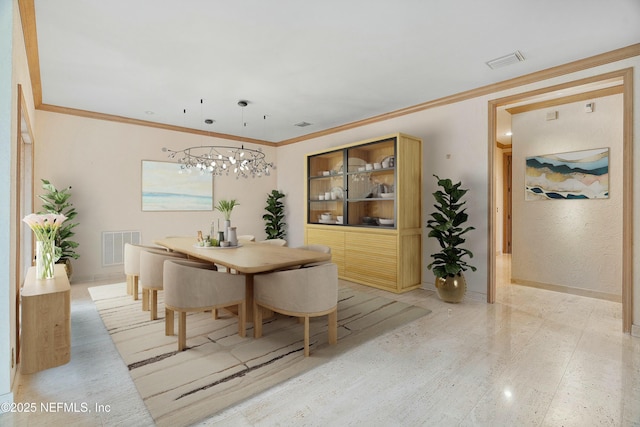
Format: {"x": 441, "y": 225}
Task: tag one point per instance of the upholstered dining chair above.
{"x": 191, "y": 287}
{"x": 151, "y": 278}
{"x": 303, "y": 293}
{"x": 132, "y": 265}
{"x": 249, "y": 237}
{"x": 318, "y": 248}
{"x": 276, "y": 242}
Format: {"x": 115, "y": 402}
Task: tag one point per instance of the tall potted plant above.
{"x": 447, "y": 227}
{"x": 274, "y": 218}
{"x": 56, "y": 201}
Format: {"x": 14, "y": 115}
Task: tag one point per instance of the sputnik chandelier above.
{"x": 222, "y": 159}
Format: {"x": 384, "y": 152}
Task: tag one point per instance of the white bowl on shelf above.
{"x": 387, "y": 195}
{"x": 385, "y": 221}
{"x": 326, "y": 217}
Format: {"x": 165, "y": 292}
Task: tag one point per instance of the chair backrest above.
{"x": 190, "y": 285}
{"x": 132, "y": 257}
{"x": 276, "y": 242}
{"x": 305, "y": 290}
{"x": 249, "y": 237}
{"x": 318, "y": 248}
{"x": 151, "y": 263}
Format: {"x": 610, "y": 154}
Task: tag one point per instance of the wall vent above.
{"x": 113, "y": 246}
{"x": 503, "y": 61}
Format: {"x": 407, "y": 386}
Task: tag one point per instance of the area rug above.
{"x": 220, "y": 369}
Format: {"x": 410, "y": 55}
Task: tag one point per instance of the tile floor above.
{"x": 535, "y": 358}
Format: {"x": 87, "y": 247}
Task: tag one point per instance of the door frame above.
{"x": 626, "y": 75}
{"x": 24, "y": 139}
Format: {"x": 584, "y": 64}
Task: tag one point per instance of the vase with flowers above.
{"x": 45, "y": 227}
{"x": 226, "y": 206}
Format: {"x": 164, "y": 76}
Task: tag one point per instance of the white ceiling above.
{"x": 328, "y": 62}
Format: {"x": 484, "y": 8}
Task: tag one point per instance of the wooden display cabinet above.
{"x": 370, "y": 211}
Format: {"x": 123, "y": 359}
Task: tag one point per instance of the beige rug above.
{"x": 220, "y": 368}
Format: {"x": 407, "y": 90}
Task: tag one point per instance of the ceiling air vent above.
{"x": 503, "y": 61}
{"x": 302, "y": 124}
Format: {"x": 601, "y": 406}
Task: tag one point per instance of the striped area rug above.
{"x": 220, "y": 368}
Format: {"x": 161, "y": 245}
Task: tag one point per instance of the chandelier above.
{"x": 222, "y": 159}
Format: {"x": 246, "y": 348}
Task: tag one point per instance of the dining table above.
{"x": 247, "y": 258}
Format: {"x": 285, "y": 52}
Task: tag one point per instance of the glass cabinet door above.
{"x": 360, "y": 194}
{"x": 326, "y": 188}
{"x": 371, "y": 180}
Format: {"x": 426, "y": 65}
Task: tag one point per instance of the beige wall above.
{"x": 572, "y": 243}
{"x": 101, "y": 160}
{"x": 461, "y": 130}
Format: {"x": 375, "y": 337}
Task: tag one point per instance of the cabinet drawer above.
{"x": 371, "y": 259}
{"x": 333, "y": 239}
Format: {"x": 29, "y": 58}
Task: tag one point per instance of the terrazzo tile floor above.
{"x": 535, "y": 358}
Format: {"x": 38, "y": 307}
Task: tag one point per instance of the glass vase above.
{"x": 45, "y": 259}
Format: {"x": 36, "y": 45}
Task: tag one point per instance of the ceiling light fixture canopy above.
{"x": 223, "y": 159}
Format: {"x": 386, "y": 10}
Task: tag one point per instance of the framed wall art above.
{"x": 164, "y": 188}
{"x": 572, "y": 175}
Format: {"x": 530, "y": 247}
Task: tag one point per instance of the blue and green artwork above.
{"x": 573, "y": 175}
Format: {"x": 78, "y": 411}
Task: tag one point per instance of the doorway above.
{"x": 623, "y": 76}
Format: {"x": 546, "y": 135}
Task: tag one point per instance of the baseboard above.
{"x": 568, "y": 290}
{"x": 115, "y": 277}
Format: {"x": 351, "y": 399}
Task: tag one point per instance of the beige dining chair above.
{"x": 303, "y": 293}
{"x": 132, "y": 265}
{"x": 151, "y": 278}
{"x": 276, "y": 242}
{"x": 248, "y": 237}
{"x": 317, "y": 248}
{"x": 193, "y": 287}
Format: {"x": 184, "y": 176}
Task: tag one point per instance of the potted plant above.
{"x": 274, "y": 218}
{"x": 57, "y": 202}
{"x": 447, "y": 227}
{"x": 226, "y": 206}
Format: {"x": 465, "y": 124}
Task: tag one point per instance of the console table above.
{"x": 46, "y": 321}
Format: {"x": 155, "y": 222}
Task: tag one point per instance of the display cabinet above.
{"x": 364, "y": 201}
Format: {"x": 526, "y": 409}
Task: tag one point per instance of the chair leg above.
{"x": 306, "y": 336}
{"x": 129, "y": 284}
{"x": 182, "y": 330}
{"x": 214, "y": 314}
{"x": 242, "y": 319}
{"x": 333, "y": 327}
{"x": 145, "y": 299}
{"x": 134, "y": 288}
{"x": 168, "y": 322}
{"x": 257, "y": 320}
{"x": 153, "y": 303}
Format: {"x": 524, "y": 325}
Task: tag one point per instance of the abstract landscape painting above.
{"x": 164, "y": 188}
{"x": 573, "y": 175}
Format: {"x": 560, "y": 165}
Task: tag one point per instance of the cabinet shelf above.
{"x": 384, "y": 256}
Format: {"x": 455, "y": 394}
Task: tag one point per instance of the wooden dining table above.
{"x": 248, "y": 258}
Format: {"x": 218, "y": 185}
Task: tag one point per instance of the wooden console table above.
{"x": 46, "y": 321}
